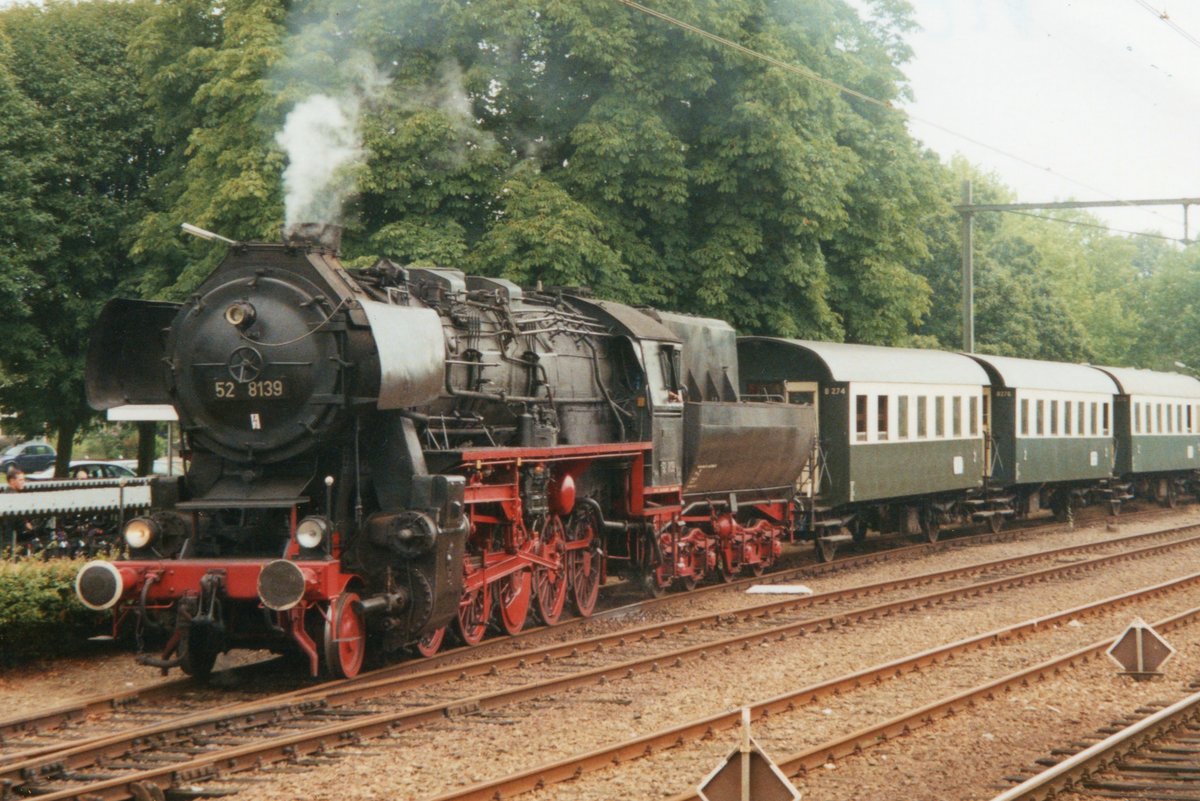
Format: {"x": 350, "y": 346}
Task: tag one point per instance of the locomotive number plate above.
{"x": 251, "y": 390}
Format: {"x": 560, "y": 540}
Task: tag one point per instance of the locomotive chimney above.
{"x": 313, "y": 236}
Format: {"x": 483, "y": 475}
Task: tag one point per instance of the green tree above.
{"x": 1171, "y": 316}
{"x": 205, "y": 70}
{"x": 86, "y": 120}
{"x": 571, "y": 143}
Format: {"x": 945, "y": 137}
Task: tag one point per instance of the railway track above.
{"x": 861, "y": 741}
{"x": 787, "y": 703}
{"x": 1154, "y": 755}
{"x": 308, "y": 722}
{"x": 162, "y": 696}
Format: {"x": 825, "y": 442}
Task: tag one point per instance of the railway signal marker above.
{"x": 747, "y": 774}
{"x": 1140, "y": 651}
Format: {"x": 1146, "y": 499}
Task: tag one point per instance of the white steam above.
{"x": 323, "y": 146}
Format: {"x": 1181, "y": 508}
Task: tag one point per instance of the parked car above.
{"x": 29, "y": 456}
{"x": 92, "y": 469}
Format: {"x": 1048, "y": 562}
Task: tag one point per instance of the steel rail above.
{"x": 572, "y": 767}
{"x": 410, "y": 675}
{"x": 813, "y": 758}
{"x": 100, "y": 704}
{"x": 321, "y": 737}
{"x": 1073, "y": 771}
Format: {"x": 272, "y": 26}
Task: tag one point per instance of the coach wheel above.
{"x": 198, "y": 651}
{"x": 1060, "y": 505}
{"x": 858, "y": 530}
{"x": 826, "y": 550}
{"x": 550, "y": 584}
{"x": 1171, "y": 496}
{"x": 931, "y": 529}
{"x": 345, "y": 637}
{"x": 513, "y": 595}
{"x": 474, "y": 609}
{"x": 995, "y": 522}
{"x": 431, "y": 643}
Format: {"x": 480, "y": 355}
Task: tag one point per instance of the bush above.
{"x": 39, "y": 613}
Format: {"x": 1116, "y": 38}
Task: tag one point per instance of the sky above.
{"x": 1098, "y": 99}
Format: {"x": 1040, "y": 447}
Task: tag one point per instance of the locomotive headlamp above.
{"x": 312, "y": 532}
{"x": 140, "y": 532}
{"x": 240, "y": 314}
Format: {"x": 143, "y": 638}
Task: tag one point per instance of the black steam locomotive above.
{"x": 378, "y": 456}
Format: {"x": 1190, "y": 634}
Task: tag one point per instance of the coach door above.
{"x": 804, "y": 393}
{"x": 987, "y": 432}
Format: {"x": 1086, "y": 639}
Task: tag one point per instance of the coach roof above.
{"x": 1133, "y": 381}
{"x": 1054, "y": 376}
{"x": 845, "y": 362}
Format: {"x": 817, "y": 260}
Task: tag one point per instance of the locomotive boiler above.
{"x": 379, "y": 456}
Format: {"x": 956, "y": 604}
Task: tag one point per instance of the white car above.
{"x": 91, "y": 469}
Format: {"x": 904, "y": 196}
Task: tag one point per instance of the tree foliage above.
{"x": 547, "y": 141}
{"x": 85, "y": 154}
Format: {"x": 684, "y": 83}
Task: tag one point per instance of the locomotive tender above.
{"x": 377, "y": 456}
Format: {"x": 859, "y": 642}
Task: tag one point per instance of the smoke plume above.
{"x": 323, "y": 146}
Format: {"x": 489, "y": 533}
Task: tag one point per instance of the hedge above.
{"x": 39, "y": 613}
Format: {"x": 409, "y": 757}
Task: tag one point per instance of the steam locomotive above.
{"x": 378, "y": 457}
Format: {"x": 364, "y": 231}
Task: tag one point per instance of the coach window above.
{"x": 1053, "y": 417}
{"x": 1158, "y": 419}
{"x": 1137, "y": 418}
{"x": 1067, "y": 428}
{"x": 902, "y": 417}
{"x": 1170, "y": 418}
{"x": 1041, "y": 418}
{"x": 882, "y": 418}
{"x": 1104, "y": 409}
{"x": 922, "y": 417}
{"x": 973, "y": 413}
{"x": 956, "y": 406}
{"x": 860, "y": 418}
{"x": 1095, "y": 418}
{"x": 939, "y": 416}
{"x": 1189, "y": 429}
{"x": 1025, "y": 417}
{"x": 1179, "y": 418}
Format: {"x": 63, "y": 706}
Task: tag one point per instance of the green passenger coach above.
{"x": 1051, "y": 429}
{"x": 1156, "y": 426}
{"x": 902, "y": 430}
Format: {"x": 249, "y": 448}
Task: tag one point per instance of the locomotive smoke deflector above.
{"x": 412, "y": 353}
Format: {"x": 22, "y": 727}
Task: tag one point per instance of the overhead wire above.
{"x": 1172, "y": 24}
{"x": 1083, "y": 224}
{"x": 809, "y": 74}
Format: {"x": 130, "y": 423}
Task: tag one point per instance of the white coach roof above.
{"x": 1054, "y": 376}
{"x": 1133, "y": 381}
{"x": 877, "y": 364}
